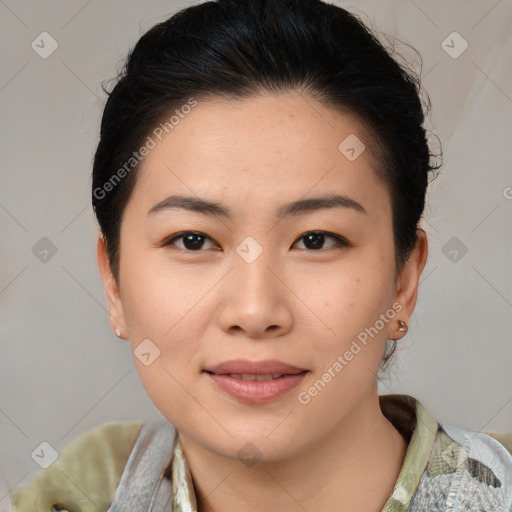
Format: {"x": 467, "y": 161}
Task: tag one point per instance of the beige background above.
{"x": 62, "y": 371}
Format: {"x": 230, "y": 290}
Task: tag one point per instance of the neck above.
{"x": 355, "y": 466}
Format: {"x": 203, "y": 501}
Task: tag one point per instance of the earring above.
{"x": 117, "y": 332}
{"x": 403, "y": 326}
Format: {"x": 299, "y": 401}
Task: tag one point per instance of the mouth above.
{"x": 245, "y": 369}
{"x": 255, "y": 388}
{"x": 256, "y": 376}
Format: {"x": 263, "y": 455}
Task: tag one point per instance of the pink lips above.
{"x": 255, "y": 391}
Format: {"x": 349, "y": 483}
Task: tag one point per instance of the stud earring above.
{"x": 403, "y": 326}
{"x": 117, "y": 333}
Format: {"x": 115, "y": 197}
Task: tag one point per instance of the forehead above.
{"x": 265, "y": 149}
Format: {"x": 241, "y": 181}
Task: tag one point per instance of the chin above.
{"x": 250, "y": 446}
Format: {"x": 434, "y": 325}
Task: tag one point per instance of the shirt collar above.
{"x": 182, "y": 483}
{"x": 419, "y": 428}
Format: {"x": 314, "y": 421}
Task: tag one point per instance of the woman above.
{"x": 259, "y": 185}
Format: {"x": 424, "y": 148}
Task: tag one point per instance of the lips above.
{"x": 255, "y": 382}
{"x": 240, "y": 367}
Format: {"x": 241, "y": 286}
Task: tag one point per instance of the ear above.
{"x": 115, "y": 306}
{"x": 407, "y": 282}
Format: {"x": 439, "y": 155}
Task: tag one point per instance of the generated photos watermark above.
{"x": 150, "y": 143}
{"x": 304, "y": 397}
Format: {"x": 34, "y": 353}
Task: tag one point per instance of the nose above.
{"x": 256, "y": 299}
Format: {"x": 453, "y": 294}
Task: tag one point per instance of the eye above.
{"x": 192, "y": 240}
{"x": 315, "y": 239}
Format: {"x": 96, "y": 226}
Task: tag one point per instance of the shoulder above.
{"x": 85, "y": 475}
{"x": 467, "y": 471}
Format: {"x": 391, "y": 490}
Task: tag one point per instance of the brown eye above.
{"x": 314, "y": 240}
{"x": 192, "y": 241}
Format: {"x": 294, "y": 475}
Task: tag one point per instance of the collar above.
{"x": 420, "y": 429}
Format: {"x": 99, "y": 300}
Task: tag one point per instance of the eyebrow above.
{"x": 302, "y": 206}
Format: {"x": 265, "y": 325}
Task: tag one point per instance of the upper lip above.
{"x": 244, "y": 366}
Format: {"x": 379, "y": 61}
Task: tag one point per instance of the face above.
{"x": 255, "y": 279}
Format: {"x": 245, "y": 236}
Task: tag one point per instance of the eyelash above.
{"x": 340, "y": 242}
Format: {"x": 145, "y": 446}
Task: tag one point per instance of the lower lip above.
{"x": 256, "y": 391}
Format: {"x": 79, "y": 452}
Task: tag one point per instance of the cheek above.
{"x": 161, "y": 304}
{"x": 349, "y": 299}
{"x": 156, "y": 297}
{"x": 159, "y": 312}
{"x": 348, "y": 307}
